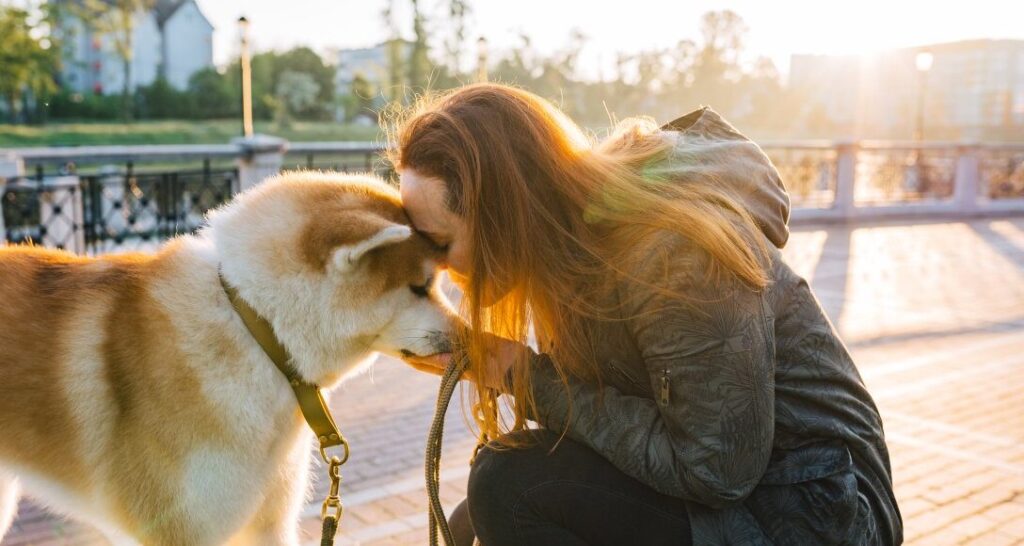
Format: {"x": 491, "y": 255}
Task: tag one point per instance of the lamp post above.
{"x": 923, "y": 61}
{"x": 481, "y": 59}
{"x": 243, "y": 28}
{"x": 917, "y": 179}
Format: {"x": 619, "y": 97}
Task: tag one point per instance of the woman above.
{"x": 689, "y": 387}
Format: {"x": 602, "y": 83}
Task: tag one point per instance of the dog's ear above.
{"x": 346, "y": 258}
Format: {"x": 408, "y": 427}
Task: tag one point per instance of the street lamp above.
{"x": 481, "y": 59}
{"x": 923, "y": 61}
{"x": 243, "y": 29}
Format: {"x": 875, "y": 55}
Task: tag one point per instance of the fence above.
{"x": 100, "y": 199}
{"x": 114, "y": 198}
{"x": 871, "y": 180}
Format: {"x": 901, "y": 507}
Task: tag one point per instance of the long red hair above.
{"x": 551, "y": 217}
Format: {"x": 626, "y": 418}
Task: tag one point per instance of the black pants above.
{"x": 572, "y": 496}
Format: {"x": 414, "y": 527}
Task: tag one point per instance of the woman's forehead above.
{"x": 424, "y": 201}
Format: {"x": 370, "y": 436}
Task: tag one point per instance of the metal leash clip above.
{"x": 332, "y": 502}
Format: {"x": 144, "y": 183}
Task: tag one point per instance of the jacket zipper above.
{"x": 664, "y": 387}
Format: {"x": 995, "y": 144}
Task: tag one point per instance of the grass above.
{"x": 173, "y": 132}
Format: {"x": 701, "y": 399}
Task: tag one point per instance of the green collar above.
{"x": 310, "y": 399}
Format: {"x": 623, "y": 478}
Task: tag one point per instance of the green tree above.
{"x": 295, "y": 92}
{"x": 27, "y": 62}
{"x": 418, "y": 63}
{"x": 305, "y": 61}
{"x": 396, "y": 48}
{"x": 212, "y": 95}
{"x": 267, "y": 69}
{"x": 360, "y": 99}
{"x": 458, "y": 12}
{"x": 159, "y": 100}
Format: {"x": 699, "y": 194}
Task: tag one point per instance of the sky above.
{"x": 777, "y": 28}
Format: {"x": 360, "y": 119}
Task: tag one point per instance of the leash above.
{"x": 311, "y": 404}
{"x": 432, "y": 464}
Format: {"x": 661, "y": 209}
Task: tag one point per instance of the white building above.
{"x": 971, "y": 86}
{"x": 174, "y": 40}
{"x": 373, "y": 64}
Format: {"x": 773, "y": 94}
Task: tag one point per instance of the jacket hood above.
{"x": 710, "y": 150}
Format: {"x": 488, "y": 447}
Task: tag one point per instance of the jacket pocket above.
{"x": 624, "y": 376}
{"x": 808, "y": 495}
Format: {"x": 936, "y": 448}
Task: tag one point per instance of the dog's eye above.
{"x": 420, "y": 291}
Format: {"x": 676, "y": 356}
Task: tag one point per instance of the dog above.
{"x": 133, "y": 397}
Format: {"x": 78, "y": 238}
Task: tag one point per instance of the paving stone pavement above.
{"x": 933, "y": 314}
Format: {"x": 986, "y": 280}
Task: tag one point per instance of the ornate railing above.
{"x": 114, "y": 211}
{"x": 808, "y": 169}
{"x": 1001, "y": 169}
{"x": 129, "y": 209}
{"x": 335, "y": 156}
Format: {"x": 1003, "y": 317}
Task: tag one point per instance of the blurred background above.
{"x": 898, "y": 128}
{"x": 868, "y": 69}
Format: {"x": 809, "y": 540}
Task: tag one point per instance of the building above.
{"x": 372, "y": 64}
{"x": 972, "y": 88}
{"x": 174, "y": 40}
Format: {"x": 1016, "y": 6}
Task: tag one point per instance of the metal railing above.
{"x": 842, "y": 181}
{"x": 103, "y": 198}
{"x": 115, "y": 210}
{"x": 336, "y": 156}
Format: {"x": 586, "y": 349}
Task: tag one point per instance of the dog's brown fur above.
{"x": 127, "y": 381}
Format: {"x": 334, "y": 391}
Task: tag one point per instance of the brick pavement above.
{"x": 933, "y": 313}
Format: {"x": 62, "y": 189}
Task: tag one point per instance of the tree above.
{"x": 267, "y": 68}
{"x": 716, "y": 69}
{"x": 116, "y": 19}
{"x": 458, "y": 10}
{"x": 359, "y": 100}
{"x": 418, "y": 63}
{"x": 159, "y": 100}
{"x": 396, "y": 52}
{"x": 27, "y": 63}
{"x": 295, "y": 92}
{"x": 305, "y": 61}
{"x": 212, "y": 96}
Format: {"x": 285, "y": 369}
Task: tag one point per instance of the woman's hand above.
{"x": 433, "y": 364}
{"x": 500, "y": 355}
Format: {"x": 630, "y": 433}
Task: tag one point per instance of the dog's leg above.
{"x": 10, "y": 491}
{"x": 276, "y": 522}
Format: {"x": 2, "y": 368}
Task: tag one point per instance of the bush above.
{"x": 159, "y": 100}
{"x": 70, "y": 105}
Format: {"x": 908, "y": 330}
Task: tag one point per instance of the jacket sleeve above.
{"x": 707, "y": 434}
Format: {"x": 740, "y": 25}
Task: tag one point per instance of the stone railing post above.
{"x": 262, "y": 157}
{"x": 967, "y": 179}
{"x": 11, "y": 168}
{"x": 846, "y": 175}
{"x": 60, "y": 213}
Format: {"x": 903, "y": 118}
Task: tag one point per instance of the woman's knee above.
{"x": 501, "y": 475}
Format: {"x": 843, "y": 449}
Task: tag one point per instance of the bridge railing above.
{"x": 95, "y": 199}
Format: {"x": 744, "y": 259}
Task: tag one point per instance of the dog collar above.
{"x": 310, "y": 398}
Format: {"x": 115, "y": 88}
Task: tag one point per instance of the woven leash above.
{"x": 432, "y": 464}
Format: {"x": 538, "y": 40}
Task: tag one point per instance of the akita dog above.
{"x": 132, "y": 395}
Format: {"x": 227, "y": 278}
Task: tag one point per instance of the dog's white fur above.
{"x": 133, "y": 397}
